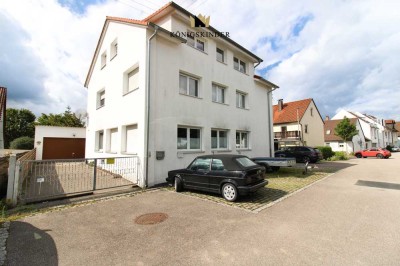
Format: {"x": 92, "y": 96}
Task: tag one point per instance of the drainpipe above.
{"x": 259, "y": 62}
{"x": 148, "y": 107}
{"x": 270, "y": 132}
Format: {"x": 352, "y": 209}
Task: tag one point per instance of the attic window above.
{"x": 311, "y": 111}
{"x": 114, "y": 49}
{"x": 328, "y": 132}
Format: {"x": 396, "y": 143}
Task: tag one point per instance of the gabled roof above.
{"x": 263, "y": 80}
{"x": 288, "y": 114}
{"x": 330, "y": 126}
{"x": 149, "y": 21}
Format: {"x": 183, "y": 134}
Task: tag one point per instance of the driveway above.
{"x": 333, "y": 222}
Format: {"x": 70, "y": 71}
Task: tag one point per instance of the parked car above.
{"x": 227, "y": 174}
{"x": 373, "y": 152}
{"x": 395, "y": 149}
{"x": 302, "y": 154}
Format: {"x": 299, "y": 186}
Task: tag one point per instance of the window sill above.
{"x": 204, "y": 52}
{"x": 222, "y": 62}
{"x": 129, "y": 153}
{"x": 99, "y": 151}
{"x": 221, "y": 103}
{"x": 190, "y": 96}
{"x": 244, "y": 73}
{"x": 111, "y": 152}
{"x": 220, "y": 150}
{"x": 243, "y": 108}
{"x": 190, "y": 151}
{"x": 102, "y": 67}
{"x": 100, "y": 107}
{"x": 243, "y": 149}
{"x": 113, "y": 57}
{"x": 126, "y": 93}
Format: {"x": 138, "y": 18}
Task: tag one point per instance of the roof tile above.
{"x": 288, "y": 114}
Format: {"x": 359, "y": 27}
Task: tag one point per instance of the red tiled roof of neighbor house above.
{"x": 390, "y": 121}
{"x": 330, "y": 126}
{"x": 3, "y": 99}
{"x": 288, "y": 114}
{"x": 397, "y": 126}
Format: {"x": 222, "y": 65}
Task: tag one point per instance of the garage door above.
{"x": 63, "y": 148}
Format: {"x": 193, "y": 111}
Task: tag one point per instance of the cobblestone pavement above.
{"x": 4, "y": 227}
{"x": 281, "y": 184}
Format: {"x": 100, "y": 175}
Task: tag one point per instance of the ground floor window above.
{"x": 242, "y": 140}
{"x": 99, "y": 140}
{"x": 219, "y": 139}
{"x": 189, "y": 138}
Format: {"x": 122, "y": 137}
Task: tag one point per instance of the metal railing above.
{"x": 287, "y": 134}
{"x": 48, "y": 179}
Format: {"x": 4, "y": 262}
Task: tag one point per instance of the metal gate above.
{"x": 48, "y": 179}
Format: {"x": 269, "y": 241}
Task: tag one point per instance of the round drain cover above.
{"x": 151, "y": 218}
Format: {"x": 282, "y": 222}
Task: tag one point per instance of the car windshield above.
{"x": 245, "y": 162}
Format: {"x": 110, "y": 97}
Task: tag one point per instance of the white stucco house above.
{"x": 337, "y": 143}
{"x": 298, "y": 123}
{"x": 166, "y": 90}
{"x": 376, "y": 132}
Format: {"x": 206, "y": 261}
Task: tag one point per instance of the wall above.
{"x": 315, "y": 135}
{"x": 55, "y": 132}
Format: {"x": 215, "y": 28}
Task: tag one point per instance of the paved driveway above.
{"x": 334, "y": 222}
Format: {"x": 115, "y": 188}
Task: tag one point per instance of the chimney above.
{"x": 327, "y": 118}
{"x": 280, "y": 104}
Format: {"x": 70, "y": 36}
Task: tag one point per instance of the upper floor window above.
{"x": 188, "y": 85}
{"x": 305, "y": 128}
{"x": 218, "y": 94}
{"x": 133, "y": 81}
{"x": 114, "y": 49}
{"x": 195, "y": 42}
{"x": 101, "y": 98}
{"x": 311, "y": 111}
{"x": 239, "y": 65}
{"x": 189, "y": 138}
{"x": 241, "y": 100}
{"x": 220, "y": 55}
{"x": 104, "y": 59}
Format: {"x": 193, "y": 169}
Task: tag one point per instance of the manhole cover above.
{"x": 151, "y": 218}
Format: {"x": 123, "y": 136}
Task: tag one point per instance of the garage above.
{"x": 63, "y": 148}
{"x": 52, "y": 142}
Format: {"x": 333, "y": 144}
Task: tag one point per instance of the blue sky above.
{"x": 341, "y": 53}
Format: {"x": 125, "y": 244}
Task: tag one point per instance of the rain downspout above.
{"x": 147, "y": 153}
{"x": 271, "y": 139}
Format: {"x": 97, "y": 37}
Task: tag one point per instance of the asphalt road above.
{"x": 334, "y": 222}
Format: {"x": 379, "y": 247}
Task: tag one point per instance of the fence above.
{"x": 39, "y": 180}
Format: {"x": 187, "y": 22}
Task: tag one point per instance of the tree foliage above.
{"x": 19, "y": 123}
{"x": 346, "y": 130}
{"x": 22, "y": 143}
{"x": 66, "y": 119}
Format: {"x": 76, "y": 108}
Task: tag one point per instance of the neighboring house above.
{"x": 337, "y": 143}
{"x": 298, "y": 123}
{"x": 167, "y": 92}
{"x": 393, "y": 132}
{"x": 375, "y": 130}
{"x": 397, "y": 127}
{"x": 59, "y": 142}
{"x": 3, "y": 101}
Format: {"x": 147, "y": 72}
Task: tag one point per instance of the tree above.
{"x": 19, "y": 123}
{"x": 66, "y": 119}
{"x": 346, "y": 131}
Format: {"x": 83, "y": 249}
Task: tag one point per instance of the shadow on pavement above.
{"x": 28, "y": 245}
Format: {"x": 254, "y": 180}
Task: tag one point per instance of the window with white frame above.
{"x": 242, "y": 140}
{"x": 195, "y": 42}
{"x": 220, "y": 55}
{"x": 99, "y": 141}
{"x": 219, "y": 139}
{"x": 189, "y": 138}
{"x": 239, "y": 65}
{"x": 132, "y": 80}
{"x": 241, "y": 99}
{"x": 113, "y": 49}
{"x": 104, "y": 59}
{"x": 112, "y": 140}
{"x": 130, "y": 139}
{"x": 188, "y": 85}
{"x": 101, "y": 98}
{"x": 328, "y": 132}
{"x": 218, "y": 93}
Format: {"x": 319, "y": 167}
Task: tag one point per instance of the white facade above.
{"x": 358, "y": 142}
{"x": 42, "y": 132}
{"x": 173, "y": 113}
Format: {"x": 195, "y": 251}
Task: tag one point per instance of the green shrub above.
{"x": 341, "y": 155}
{"x": 389, "y": 148}
{"x": 22, "y": 143}
{"x": 326, "y": 151}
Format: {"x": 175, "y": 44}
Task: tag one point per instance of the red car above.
{"x": 373, "y": 152}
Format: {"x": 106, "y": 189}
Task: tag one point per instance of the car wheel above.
{"x": 358, "y": 155}
{"x": 229, "y": 192}
{"x": 178, "y": 184}
{"x": 380, "y": 156}
{"x": 306, "y": 159}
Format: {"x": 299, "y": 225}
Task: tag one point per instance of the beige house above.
{"x": 298, "y": 123}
